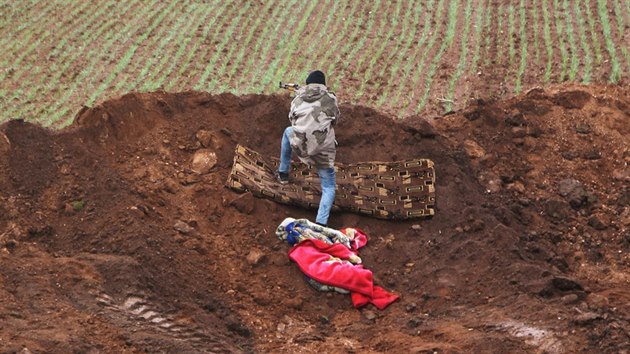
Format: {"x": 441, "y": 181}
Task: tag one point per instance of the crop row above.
{"x": 400, "y": 56}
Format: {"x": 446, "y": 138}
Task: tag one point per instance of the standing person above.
{"x": 311, "y": 136}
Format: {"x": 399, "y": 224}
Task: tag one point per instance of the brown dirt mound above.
{"x": 110, "y": 242}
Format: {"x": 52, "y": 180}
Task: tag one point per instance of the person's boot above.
{"x": 282, "y": 177}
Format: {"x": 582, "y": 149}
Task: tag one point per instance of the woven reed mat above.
{"x": 385, "y": 190}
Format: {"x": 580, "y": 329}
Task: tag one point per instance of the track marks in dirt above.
{"x": 142, "y": 313}
{"x": 541, "y": 339}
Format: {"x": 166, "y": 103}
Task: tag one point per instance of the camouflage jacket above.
{"x": 314, "y": 112}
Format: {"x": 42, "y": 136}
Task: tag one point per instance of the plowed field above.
{"x": 400, "y": 57}
{"x": 113, "y": 241}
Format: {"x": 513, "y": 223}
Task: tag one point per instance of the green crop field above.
{"x": 403, "y": 57}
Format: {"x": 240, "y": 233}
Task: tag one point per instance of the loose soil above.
{"x": 111, "y": 243}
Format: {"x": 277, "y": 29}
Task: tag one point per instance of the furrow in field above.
{"x": 141, "y": 69}
{"x": 399, "y": 56}
{"x": 235, "y": 67}
{"x": 192, "y": 60}
{"x": 104, "y": 54}
{"x": 44, "y": 48}
{"x": 446, "y": 44}
{"x": 315, "y": 48}
{"x": 467, "y": 86}
{"x": 176, "y": 57}
{"x": 560, "y": 40}
{"x": 176, "y": 25}
{"x": 370, "y": 77}
{"x": 501, "y": 34}
{"x": 219, "y": 49}
{"x": 218, "y": 77}
{"x": 510, "y": 37}
{"x": 479, "y": 11}
{"x": 560, "y": 61}
{"x": 285, "y": 48}
{"x": 584, "y": 42}
{"x": 65, "y": 52}
{"x": 21, "y": 49}
{"x": 523, "y": 46}
{"x": 596, "y": 40}
{"x": 449, "y": 100}
{"x": 270, "y": 51}
{"x": 247, "y": 78}
{"x": 126, "y": 58}
{"x": 11, "y": 9}
{"x": 619, "y": 16}
{"x": 355, "y": 68}
{"x": 207, "y": 47}
{"x": 22, "y": 33}
{"x": 490, "y": 34}
{"x": 17, "y": 36}
{"x": 415, "y": 68}
{"x": 74, "y": 64}
{"x": 492, "y": 74}
{"x": 360, "y": 35}
{"x": 185, "y": 53}
{"x": 536, "y": 26}
{"x": 379, "y": 53}
{"x": 621, "y": 34}
{"x": 278, "y": 68}
{"x": 39, "y": 93}
{"x": 330, "y": 65}
{"x": 573, "y": 48}
{"x": 615, "y": 71}
{"x": 548, "y": 41}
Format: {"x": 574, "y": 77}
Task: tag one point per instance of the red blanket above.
{"x": 328, "y": 264}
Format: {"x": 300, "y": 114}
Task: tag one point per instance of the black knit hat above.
{"x": 316, "y": 77}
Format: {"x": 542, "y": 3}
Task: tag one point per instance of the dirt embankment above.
{"x": 110, "y": 242}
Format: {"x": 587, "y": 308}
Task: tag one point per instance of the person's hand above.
{"x": 354, "y": 259}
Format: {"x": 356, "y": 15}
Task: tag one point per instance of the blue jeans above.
{"x": 327, "y": 178}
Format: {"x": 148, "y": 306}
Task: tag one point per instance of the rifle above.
{"x": 289, "y": 86}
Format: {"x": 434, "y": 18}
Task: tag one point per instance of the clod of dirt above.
{"x": 203, "y": 161}
{"x": 572, "y": 99}
{"x": 254, "y": 257}
{"x": 244, "y": 203}
{"x": 473, "y": 149}
{"x": 183, "y": 227}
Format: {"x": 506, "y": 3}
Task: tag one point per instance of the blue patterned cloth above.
{"x": 295, "y": 230}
